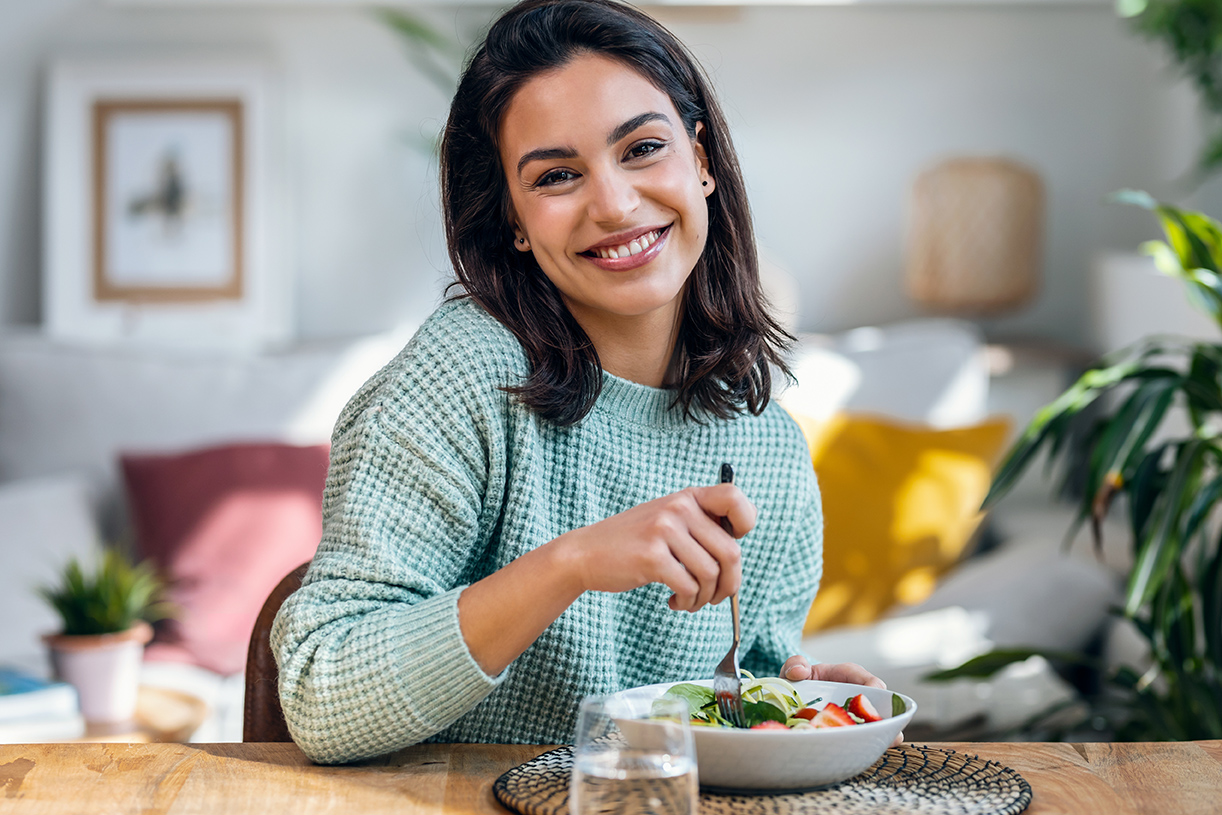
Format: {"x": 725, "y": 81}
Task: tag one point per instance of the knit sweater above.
{"x": 439, "y": 478}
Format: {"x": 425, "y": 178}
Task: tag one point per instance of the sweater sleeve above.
{"x": 792, "y": 593}
{"x": 370, "y": 652}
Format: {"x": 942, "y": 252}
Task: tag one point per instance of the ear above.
{"x": 708, "y": 183}
{"x": 520, "y": 241}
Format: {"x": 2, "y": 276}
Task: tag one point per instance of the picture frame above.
{"x": 161, "y": 192}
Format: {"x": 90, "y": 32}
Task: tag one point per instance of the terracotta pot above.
{"x": 104, "y": 669}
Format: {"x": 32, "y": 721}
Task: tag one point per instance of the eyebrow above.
{"x": 547, "y": 153}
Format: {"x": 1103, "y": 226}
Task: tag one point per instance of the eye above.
{"x": 554, "y": 177}
{"x": 644, "y": 149}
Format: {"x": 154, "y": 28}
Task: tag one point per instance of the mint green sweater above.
{"x": 438, "y": 479}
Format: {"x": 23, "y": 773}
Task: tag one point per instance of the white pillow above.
{"x": 902, "y": 651}
{"x": 44, "y": 522}
{"x": 1029, "y": 594}
{"x": 930, "y": 371}
{"x": 67, "y": 408}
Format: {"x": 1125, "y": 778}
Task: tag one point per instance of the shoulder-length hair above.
{"x": 727, "y": 339}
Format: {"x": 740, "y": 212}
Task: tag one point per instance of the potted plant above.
{"x": 106, "y": 616}
{"x": 1192, "y": 31}
{"x": 1109, "y": 432}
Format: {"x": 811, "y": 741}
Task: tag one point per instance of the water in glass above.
{"x": 633, "y": 755}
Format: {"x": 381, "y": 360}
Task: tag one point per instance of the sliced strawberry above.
{"x": 860, "y": 707}
{"x": 769, "y": 725}
{"x": 833, "y": 715}
{"x": 807, "y": 713}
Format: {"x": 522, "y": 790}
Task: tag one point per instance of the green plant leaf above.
{"x": 1050, "y": 424}
{"x": 986, "y": 665}
{"x": 1162, "y": 547}
{"x": 109, "y": 599}
{"x": 1211, "y": 607}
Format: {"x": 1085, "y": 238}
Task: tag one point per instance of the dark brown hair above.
{"x": 727, "y": 339}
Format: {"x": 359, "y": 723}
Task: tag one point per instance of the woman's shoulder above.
{"x": 461, "y": 341}
{"x": 779, "y": 426}
{"x": 460, "y": 326}
{"x": 460, "y": 356}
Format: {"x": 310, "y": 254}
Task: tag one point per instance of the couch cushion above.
{"x": 75, "y": 409}
{"x": 927, "y": 371}
{"x": 224, "y": 524}
{"x": 900, "y": 505}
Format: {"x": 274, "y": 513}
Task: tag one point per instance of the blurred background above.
{"x": 930, "y": 184}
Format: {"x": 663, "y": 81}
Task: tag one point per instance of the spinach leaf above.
{"x": 757, "y": 712}
{"x": 696, "y": 696}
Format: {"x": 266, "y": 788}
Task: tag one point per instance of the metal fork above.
{"x": 727, "y": 681}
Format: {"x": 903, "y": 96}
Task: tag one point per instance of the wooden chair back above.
{"x": 263, "y": 718}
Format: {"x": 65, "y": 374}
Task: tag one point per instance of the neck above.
{"x": 639, "y": 349}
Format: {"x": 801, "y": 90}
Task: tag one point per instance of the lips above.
{"x": 629, "y": 251}
{"x": 626, "y": 246}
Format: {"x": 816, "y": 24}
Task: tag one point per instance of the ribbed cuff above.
{"x": 435, "y": 656}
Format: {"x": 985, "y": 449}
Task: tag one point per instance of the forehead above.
{"x": 579, "y": 102}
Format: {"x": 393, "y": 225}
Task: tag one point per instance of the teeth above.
{"x": 634, "y": 247}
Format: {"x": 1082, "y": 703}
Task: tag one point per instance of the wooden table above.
{"x": 264, "y": 779}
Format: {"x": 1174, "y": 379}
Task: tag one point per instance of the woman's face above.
{"x": 607, "y": 189}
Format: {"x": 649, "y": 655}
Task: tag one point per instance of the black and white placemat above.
{"x": 910, "y": 778}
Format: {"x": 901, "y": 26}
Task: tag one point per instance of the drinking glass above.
{"x": 633, "y": 754}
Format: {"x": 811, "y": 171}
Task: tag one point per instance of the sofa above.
{"x": 100, "y": 443}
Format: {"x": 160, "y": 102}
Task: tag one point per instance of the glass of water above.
{"x": 633, "y": 754}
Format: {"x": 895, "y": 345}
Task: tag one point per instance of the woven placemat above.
{"x": 907, "y": 779}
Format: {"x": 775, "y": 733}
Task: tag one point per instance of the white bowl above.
{"x": 783, "y": 760}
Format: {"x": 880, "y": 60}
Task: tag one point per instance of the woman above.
{"x": 521, "y": 507}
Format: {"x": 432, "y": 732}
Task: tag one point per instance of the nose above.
{"x": 612, "y": 196}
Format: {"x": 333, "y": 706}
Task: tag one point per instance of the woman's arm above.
{"x": 673, "y": 540}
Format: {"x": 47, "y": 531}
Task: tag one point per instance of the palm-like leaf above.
{"x": 1108, "y": 431}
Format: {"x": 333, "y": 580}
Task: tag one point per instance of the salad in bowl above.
{"x": 799, "y": 735}
{"x": 772, "y": 703}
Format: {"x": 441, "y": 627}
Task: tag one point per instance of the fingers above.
{"x": 849, "y": 672}
{"x": 724, "y": 551}
{"x": 679, "y": 580}
{"x": 708, "y": 553}
{"x": 726, "y": 501}
{"x": 702, "y": 567}
{"x": 796, "y": 668}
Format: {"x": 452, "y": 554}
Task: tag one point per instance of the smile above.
{"x": 632, "y": 253}
{"x": 633, "y": 247}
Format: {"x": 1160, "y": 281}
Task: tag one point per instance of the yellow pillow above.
{"x": 900, "y": 505}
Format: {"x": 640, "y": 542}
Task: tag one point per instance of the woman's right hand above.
{"x": 676, "y": 540}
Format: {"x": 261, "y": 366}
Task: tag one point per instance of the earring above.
{"x": 704, "y": 183}
{"x": 521, "y": 240}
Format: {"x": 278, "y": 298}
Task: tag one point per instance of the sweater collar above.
{"x": 639, "y": 404}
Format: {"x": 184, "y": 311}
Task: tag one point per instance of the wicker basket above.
{"x": 976, "y": 236}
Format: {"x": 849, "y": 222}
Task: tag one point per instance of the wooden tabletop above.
{"x": 263, "y": 779}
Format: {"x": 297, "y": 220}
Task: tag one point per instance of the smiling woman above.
{"x": 521, "y": 508}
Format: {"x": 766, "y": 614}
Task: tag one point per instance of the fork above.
{"x": 727, "y": 681}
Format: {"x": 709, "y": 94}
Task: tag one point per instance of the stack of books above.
{"x": 33, "y": 709}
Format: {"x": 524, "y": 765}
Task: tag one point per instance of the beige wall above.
{"x": 835, "y": 109}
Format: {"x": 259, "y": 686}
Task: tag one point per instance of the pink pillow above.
{"x": 224, "y": 525}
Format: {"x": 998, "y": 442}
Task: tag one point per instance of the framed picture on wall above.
{"x": 167, "y": 199}
{"x": 160, "y": 202}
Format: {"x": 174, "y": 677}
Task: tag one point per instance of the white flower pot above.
{"x": 104, "y": 669}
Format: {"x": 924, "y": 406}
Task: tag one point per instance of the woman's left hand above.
{"x": 797, "y": 668}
